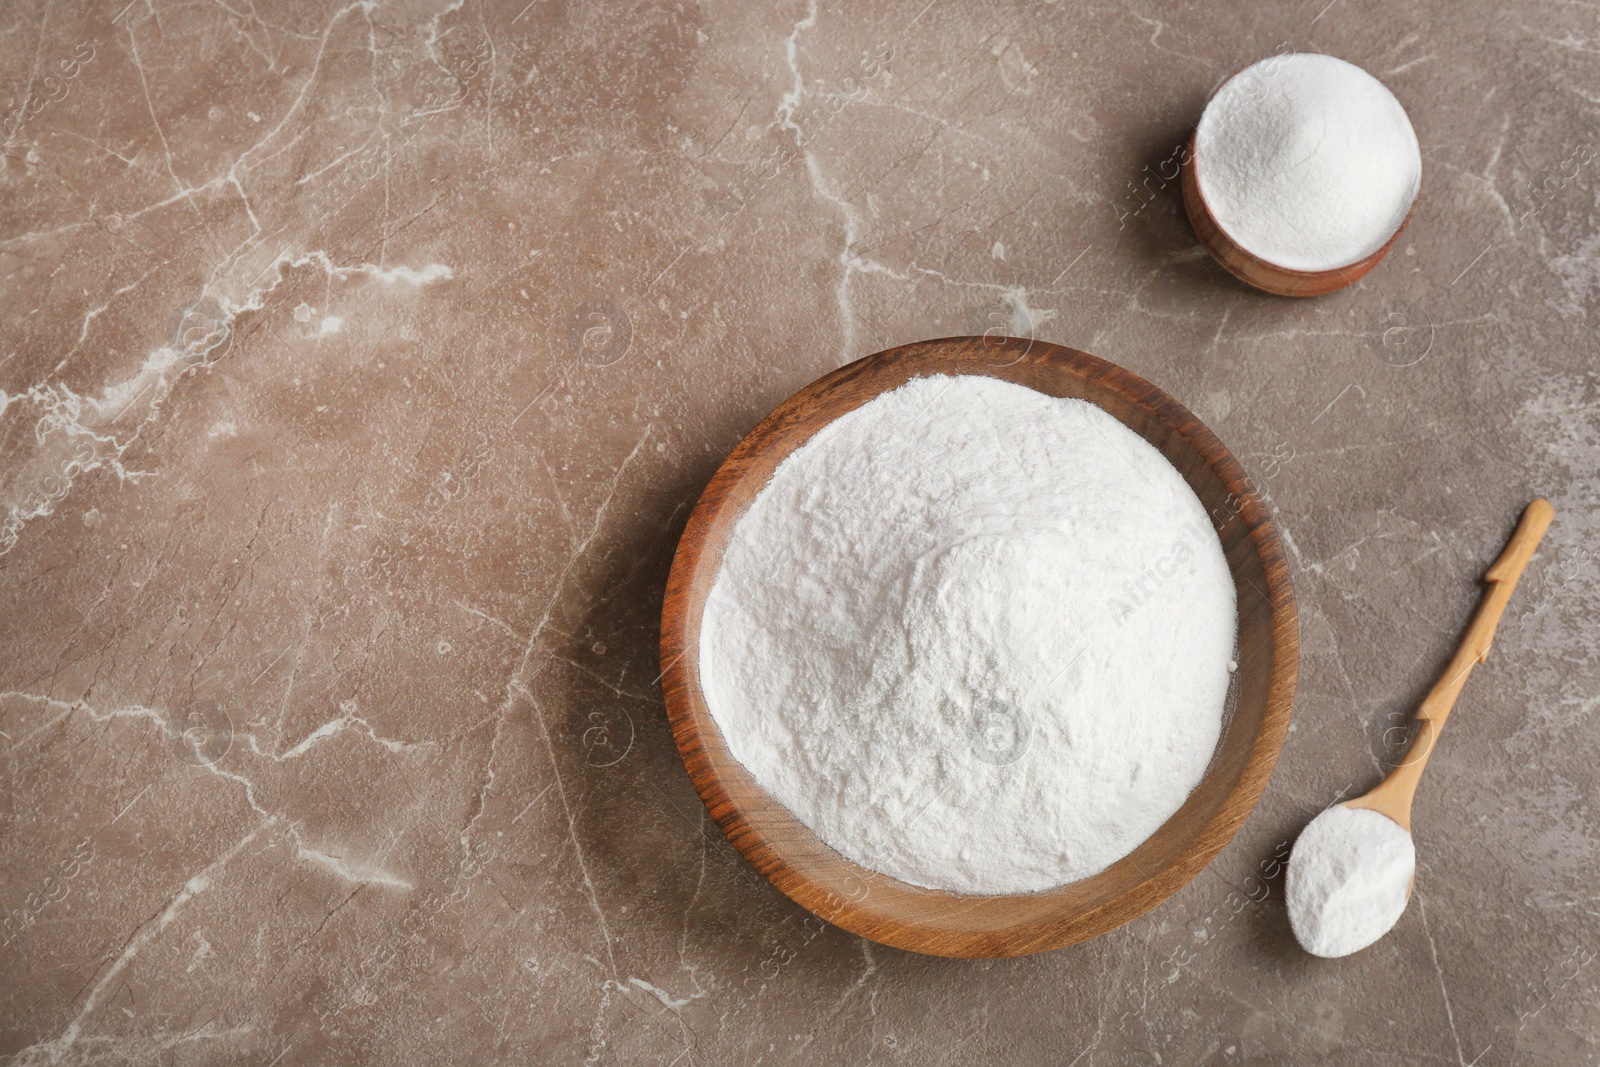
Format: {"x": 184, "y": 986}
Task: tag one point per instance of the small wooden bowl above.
{"x": 1251, "y": 268}
{"x": 895, "y": 913}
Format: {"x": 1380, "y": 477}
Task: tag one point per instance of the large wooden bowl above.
{"x": 948, "y": 924}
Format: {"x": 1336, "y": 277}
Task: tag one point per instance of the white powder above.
{"x": 975, "y": 637}
{"x": 1349, "y": 879}
{"x": 1307, "y": 161}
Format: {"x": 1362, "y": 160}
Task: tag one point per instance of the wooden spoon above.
{"x": 1393, "y": 796}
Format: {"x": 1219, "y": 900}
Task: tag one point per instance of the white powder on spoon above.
{"x": 1349, "y": 879}
{"x": 976, "y": 637}
{"x": 1307, "y": 161}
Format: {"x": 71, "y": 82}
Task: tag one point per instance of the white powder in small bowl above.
{"x": 975, "y": 637}
{"x": 1307, "y": 161}
{"x": 1349, "y": 879}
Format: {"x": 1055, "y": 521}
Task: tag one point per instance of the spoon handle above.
{"x": 1394, "y": 794}
{"x": 1502, "y": 579}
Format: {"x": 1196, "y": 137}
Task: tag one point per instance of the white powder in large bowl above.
{"x": 1349, "y": 879}
{"x": 1307, "y": 161}
{"x": 975, "y": 637}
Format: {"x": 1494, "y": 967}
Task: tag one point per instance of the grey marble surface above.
{"x": 360, "y": 365}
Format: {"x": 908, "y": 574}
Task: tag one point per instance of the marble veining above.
{"x": 361, "y": 363}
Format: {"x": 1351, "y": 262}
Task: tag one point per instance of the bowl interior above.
{"x": 1263, "y": 274}
{"x": 884, "y": 909}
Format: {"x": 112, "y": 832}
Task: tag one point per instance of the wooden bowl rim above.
{"x": 693, "y": 726}
{"x": 1346, "y": 275}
